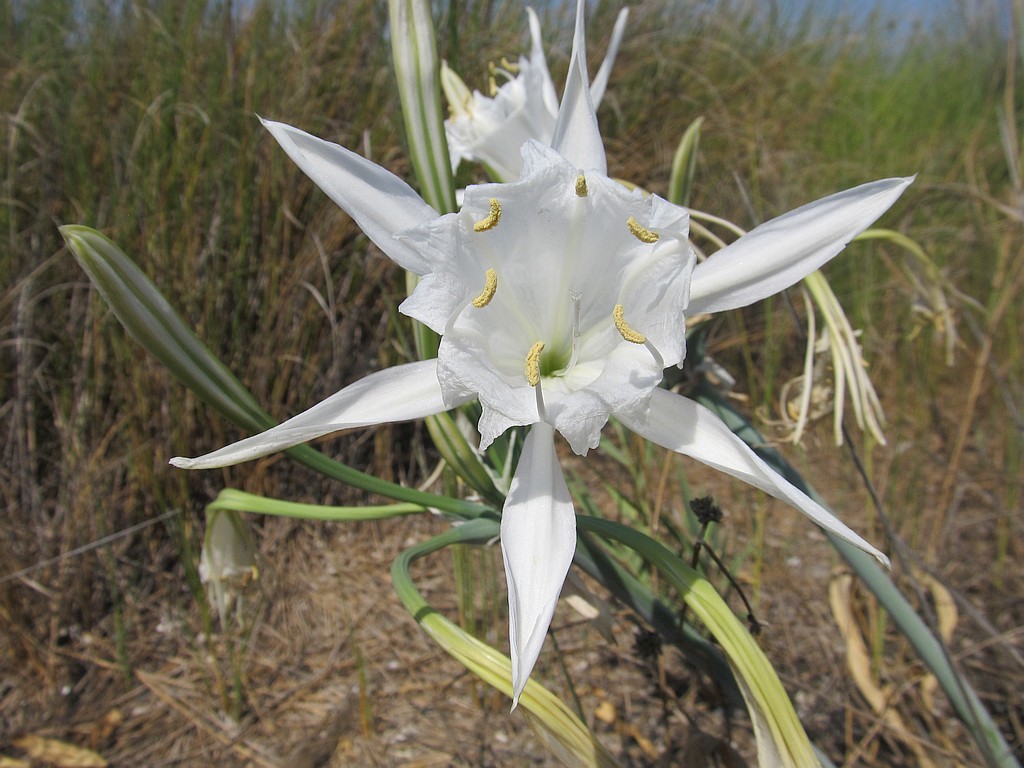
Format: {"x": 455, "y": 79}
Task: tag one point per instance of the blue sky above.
{"x": 919, "y": 8}
{"x": 948, "y": 14}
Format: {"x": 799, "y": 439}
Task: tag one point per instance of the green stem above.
{"x": 239, "y": 501}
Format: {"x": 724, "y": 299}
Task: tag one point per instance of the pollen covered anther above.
{"x": 492, "y": 218}
{"x": 640, "y": 232}
{"x": 532, "y": 367}
{"x": 628, "y": 333}
{"x": 490, "y": 286}
{"x": 581, "y": 186}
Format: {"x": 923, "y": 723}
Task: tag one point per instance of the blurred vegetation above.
{"x": 138, "y": 118}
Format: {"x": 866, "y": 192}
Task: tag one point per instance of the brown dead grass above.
{"x": 335, "y": 673}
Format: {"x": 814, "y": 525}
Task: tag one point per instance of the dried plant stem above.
{"x": 1008, "y": 291}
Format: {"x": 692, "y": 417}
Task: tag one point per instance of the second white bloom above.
{"x": 491, "y": 129}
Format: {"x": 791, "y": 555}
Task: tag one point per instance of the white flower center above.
{"x": 560, "y": 297}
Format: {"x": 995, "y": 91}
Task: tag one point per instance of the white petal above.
{"x": 538, "y": 540}
{"x": 630, "y": 374}
{"x": 462, "y": 369}
{"x": 380, "y": 202}
{"x": 401, "y": 393}
{"x": 500, "y": 148}
{"x": 687, "y": 427}
{"x": 577, "y": 137}
{"x": 540, "y": 62}
{"x": 786, "y": 249}
{"x": 597, "y": 87}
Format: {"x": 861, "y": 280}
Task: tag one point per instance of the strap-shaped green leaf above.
{"x": 418, "y": 73}
{"x": 781, "y": 739}
{"x": 150, "y": 319}
{"x": 968, "y": 706}
{"x": 240, "y": 501}
{"x": 565, "y": 735}
{"x": 684, "y": 165}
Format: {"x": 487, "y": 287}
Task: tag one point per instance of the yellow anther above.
{"x": 508, "y": 65}
{"x": 492, "y": 86}
{"x": 642, "y": 234}
{"x": 490, "y": 287}
{"x": 533, "y": 364}
{"x": 492, "y": 218}
{"x": 581, "y": 186}
{"x": 628, "y": 333}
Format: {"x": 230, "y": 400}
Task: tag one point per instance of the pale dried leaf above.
{"x": 947, "y": 615}
{"x": 59, "y": 753}
{"x": 858, "y": 660}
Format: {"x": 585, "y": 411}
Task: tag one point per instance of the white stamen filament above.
{"x": 542, "y": 412}
{"x": 575, "y": 297}
{"x": 655, "y": 353}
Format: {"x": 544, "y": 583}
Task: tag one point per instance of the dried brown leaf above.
{"x": 59, "y": 753}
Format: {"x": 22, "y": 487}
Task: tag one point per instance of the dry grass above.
{"x": 146, "y": 131}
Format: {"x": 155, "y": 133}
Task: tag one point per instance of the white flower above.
{"x": 560, "y": 298}
{"x": 491, "y": 129}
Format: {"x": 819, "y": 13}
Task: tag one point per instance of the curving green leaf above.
{"x": 151, "y": 321}
{"x": 965, "y": 701}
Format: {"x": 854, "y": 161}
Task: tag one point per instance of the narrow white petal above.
{"x": 577, "y": 137}
{"x": 401, "y": 393}
{"x": 538, "y": 60}
{"x": 380, "y": 202}
{"x": 536, "y": 43}
{"x": 597, "y": 88}
{"x": 687, "y": 427}
{"x": 538, "y": 540}
{"x": 786, "y": 249}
